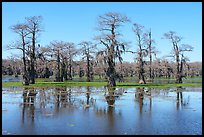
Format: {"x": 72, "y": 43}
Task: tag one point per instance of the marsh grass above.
{"x": 96, "y": 84}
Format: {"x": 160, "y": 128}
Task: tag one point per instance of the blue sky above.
{"x": 76, "y": 21}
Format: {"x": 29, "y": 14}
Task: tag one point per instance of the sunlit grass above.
{"x": 97, "y": 84}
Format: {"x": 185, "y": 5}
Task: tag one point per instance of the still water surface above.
{"x": 99, "y": 110}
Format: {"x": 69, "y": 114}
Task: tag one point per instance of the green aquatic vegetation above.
{"x": 192, "y": 81}
{"x": 11, "y": 84}
{"x": 71, "y": 125}
{"x": 157, "y": 85}
{"x": 97, "y": 84}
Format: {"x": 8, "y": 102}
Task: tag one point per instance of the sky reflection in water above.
{"x": 99, "y": 110}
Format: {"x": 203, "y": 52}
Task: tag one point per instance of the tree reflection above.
{"x": 139, "y": 97}
{"x": 87, "y": 96}
{"x": 29, "y": 95}
{"x": 149, "y": 93}
{"x": 89, "y": 100}
{"x": 179, "y": 98}
{"x": 69, "y": 91}
{"x": 110, "y": 98}
{"x": 42, "y": 96}
{"x": 61, "y": 96}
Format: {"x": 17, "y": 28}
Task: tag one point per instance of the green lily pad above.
{"x": 71, "y": 125}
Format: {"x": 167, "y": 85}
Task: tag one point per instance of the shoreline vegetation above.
{"x": 45, "y": 83}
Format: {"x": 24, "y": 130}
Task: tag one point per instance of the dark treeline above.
{"x": 57, "y": 59}
{"x": 160, "y": 69}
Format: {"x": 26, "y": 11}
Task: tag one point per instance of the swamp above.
{"x": 106, "y": 69}
{"x": 101, "y": 110}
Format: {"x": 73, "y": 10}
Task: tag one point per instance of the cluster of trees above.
{"x": 28, "y": 33}
{"x": 160, "y": 68}
{"x": 58, "y": 57}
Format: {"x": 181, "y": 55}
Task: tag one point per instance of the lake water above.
{"x": 7, "y": 78}
{"x": 101, "y": 111}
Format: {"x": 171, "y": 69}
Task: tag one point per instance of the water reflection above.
{"x": 42, "y": 98}
{"x": 139, "y": 96}
{"x": 67, "y": 110}
{"x": 150, "y": 99}
{"x": 61, "y": 97}
{"x": 51, "y": 101}
{"x": 180, "y": 102}
{"x": 87, "y": 96}
{"x": 28, "y": 108}
{"x": 110, "y": 98}
{"x": 142, "y": 93}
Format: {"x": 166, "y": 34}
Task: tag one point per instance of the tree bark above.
{"x": 25, "y": 74}
{"x": 111, "y": 68}
{"x": 70, "y": 69}
{"x": 33, "y": 59}
{"x": 58, "y": 67}
{"x": 88, "y": 69}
